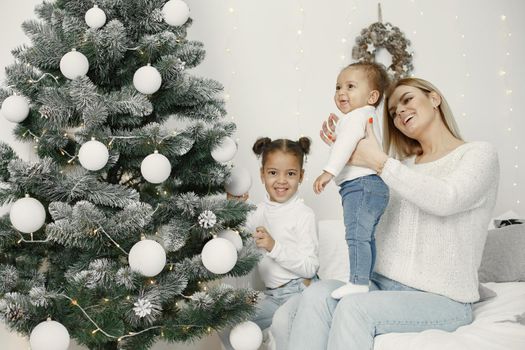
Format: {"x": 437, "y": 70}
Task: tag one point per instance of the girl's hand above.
{"x": 321, "y": 182}
{"x": 368, "y": 153}
{"x": 263, "y": 239}
{"x": 327, "y": 132}
{"x": 242, "y": 198}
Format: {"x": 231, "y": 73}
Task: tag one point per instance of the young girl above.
{"x": 283, "y": 227}
{"x": 358, "y": 92}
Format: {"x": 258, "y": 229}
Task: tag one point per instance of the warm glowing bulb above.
{"x": 508, "y": 92}
{"x": 502, "y": 73}
{"x": 343, "y": 40}
{"x": 231, "y": 10}
{"x": 299, "y": 32}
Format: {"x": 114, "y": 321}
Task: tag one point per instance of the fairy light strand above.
{"x": 508, "y": 96}
{"x": 297, "y": 64}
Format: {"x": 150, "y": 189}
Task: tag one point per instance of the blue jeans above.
{"x": 364, "y": 200}
{"x": 318, "y": 322}
{"x": 273, "y": 299}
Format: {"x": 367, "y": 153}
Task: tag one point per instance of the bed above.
{"x": 499, "y": 320}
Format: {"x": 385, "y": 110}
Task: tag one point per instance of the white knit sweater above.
{"x": 432, "y": 234}
{"x": 293, "y": 226}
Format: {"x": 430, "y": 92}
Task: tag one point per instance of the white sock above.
{"x": 349, "y": 288}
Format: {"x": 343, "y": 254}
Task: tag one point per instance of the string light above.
{"x": 503, "y": 74}
{"x": 297, "y": 64}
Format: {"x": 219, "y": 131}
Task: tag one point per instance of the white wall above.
{"x": 460, "y": 46}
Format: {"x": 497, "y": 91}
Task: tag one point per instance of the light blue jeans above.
{"x": 364, "y": 200}
{"x": 316, "y": 321}
{"x": 273, "y": 299}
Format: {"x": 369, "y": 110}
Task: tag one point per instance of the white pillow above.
{"x": 333, "y": 251}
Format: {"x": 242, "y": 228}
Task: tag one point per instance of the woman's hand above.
{"x": 368, "y": 153}
{"x": 327, "y": 132}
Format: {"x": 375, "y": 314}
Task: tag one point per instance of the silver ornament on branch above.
{"x": 15, "y": 108}
{"x": 225, "y": 150}
{"x": 147, "y": 257}
{"x": 74, "y": 64}
{"x": 155, "y": 168}
{"x": 93, "y": 155}
{"x": 147, "y": 80}
{"x": 207, "y": 219}
{"x": 175, "y": 12}
{"x": 232, "y": 236}
{"x": 27, "y": 215}
{"x": 219, "y": 256}
{"x": 142, "y": 307}
{"x": 95, "y": 17}
{"x": 246, "y": 336}
{"x": 49, "y": 335}
{"x": 239, "y": 181}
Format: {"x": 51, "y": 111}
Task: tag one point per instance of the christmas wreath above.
{"x": 379, "y": 35}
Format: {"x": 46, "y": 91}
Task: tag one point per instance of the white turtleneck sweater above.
{"x": 432, "y": 234}
{"x": 350, "y": 130}
{"x": 293, "y": 226}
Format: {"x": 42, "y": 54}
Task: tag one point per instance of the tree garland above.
{"x": 379, "y": 35}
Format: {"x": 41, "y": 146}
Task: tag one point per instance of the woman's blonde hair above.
{"x": 395, "y": 142}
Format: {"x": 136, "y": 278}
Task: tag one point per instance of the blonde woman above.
{"x": 429, "y": 240}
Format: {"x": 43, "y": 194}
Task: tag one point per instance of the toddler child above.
{"x": 359, "y": 89}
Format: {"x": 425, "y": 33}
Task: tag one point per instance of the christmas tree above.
{"x": 119, "y": 234}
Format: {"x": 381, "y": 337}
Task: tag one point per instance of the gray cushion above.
{"x": 504, "y": 255}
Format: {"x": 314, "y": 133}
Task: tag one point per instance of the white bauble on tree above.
{"x": 155, "y": 168}
{"x": 219, "y": 255}
{"x": 147, "y": 257}
{"x": 175, "y": 12}
{"x": 239, "y": 181}
{"x": 49, "y": 335}
{"x": 27, "y": 215}
{"x": 232, "y": 236}
{"x": 93, "y": 155}
{"x": 15, "y": 108}
{"x": 95, "y": 17}
{"x": 147, "y": 80}
{"x": 225, "y": 150}
{"x": 74, "y": 64}
{"x": 246, "y": 336}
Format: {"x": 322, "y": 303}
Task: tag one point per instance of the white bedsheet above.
{"x": 490, "y": 330}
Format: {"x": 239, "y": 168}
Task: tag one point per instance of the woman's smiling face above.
{"x": 412, "y": 109}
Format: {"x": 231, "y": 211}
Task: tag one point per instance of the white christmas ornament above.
{"x": 155, "y": 168}
{"x": 49, "y": 335}
{"x": 147, "y": 257}
{"x": 95, "y": 17}
{"x": 93, "y": 155}
{"x": 207, "y": 219}
{"x": 27, "y": 215}
{"x": 147, "y": 80}
{"x": 219, "y": 255}
{"x": 175, "y": 12}
{"x": 15, "y": 108}
{"x": 246, "y": 336}
{"x": 232, "y": 236}
{"x": 74, "y": 64}
{"x": 239, "y": 181}
{"x": 225, "y": 150}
